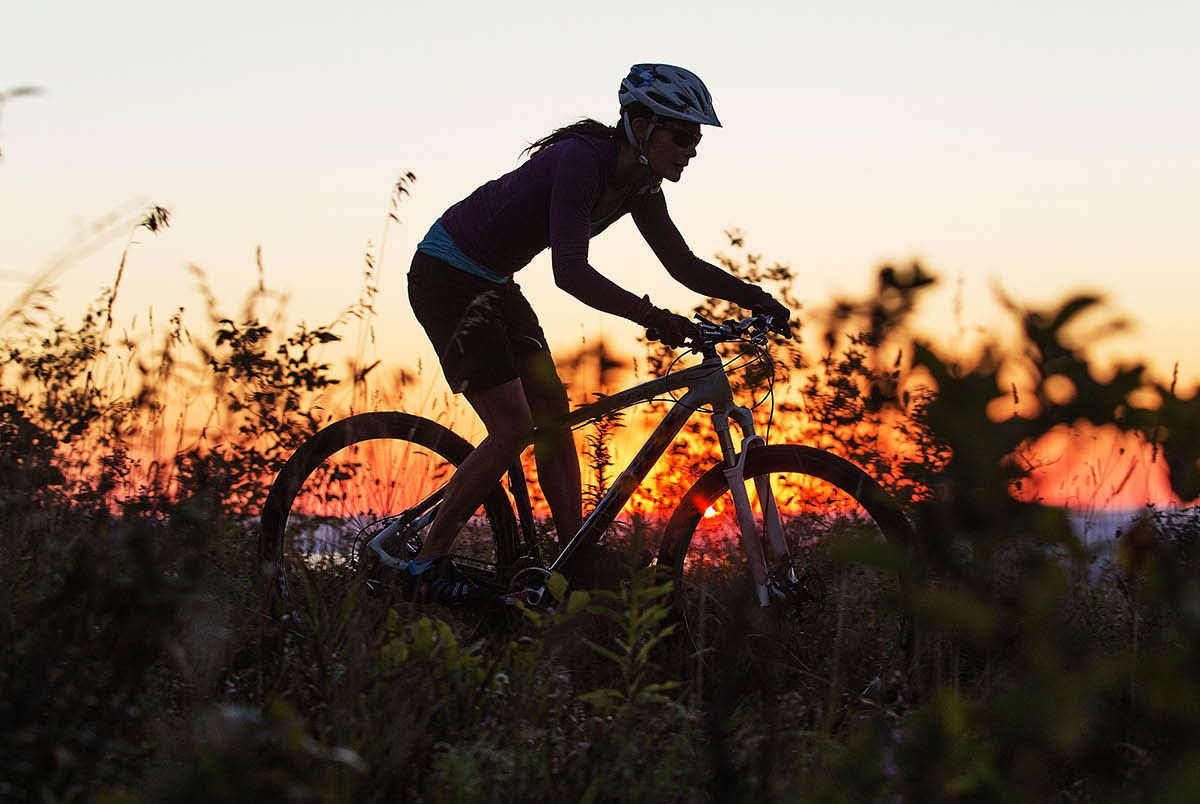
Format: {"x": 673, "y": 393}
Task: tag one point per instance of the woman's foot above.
{"x": 439, "y": 580}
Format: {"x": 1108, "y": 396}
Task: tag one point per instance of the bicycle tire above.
{"x": 803, "y": 644}
{"x": 413, "y": 436}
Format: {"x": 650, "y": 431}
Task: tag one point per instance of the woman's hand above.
{"x": 670, "y": 328}
{"x": 780, "y": 314}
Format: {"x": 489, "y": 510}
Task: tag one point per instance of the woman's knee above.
{"x": 512, "y": 437}
{"x": 506, "y": 415}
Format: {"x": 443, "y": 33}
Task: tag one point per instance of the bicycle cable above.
{"x": 724, "y": 368}
{"x": 670, "y": 397}
{"x": 765, "y": 356}
{"x": 760, "y": 355}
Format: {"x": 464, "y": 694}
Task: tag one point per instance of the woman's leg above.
{"x": 505, "y": 413}
{"x": 554, "y": 444}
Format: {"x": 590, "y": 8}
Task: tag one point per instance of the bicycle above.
{"x": 398, "y": 497}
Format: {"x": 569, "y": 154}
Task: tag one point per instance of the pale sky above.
{"x": 1045, "y": 146}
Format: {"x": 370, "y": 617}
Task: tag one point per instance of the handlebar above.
{"x": 754, "y": 329}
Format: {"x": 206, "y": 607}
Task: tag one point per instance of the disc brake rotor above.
{"x": 805, "y": 596}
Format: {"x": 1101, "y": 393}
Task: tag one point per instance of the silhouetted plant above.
{"x": 134, "y": 655}
{"x": 598, "y": 454}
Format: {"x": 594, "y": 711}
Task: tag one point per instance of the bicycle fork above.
{"x": 773, "y": 556}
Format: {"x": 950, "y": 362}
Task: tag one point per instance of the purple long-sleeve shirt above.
{"x": 548, "y": 202}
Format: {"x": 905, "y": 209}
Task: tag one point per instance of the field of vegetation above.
{"x": 139, "y": 660}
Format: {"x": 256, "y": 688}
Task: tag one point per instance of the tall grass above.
{"x": 138, "y": 663}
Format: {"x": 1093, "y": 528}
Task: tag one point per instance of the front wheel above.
{"x": 345, "y": 484}
{"x": 839, "y": 623}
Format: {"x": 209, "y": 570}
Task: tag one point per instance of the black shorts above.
{"x": 479, "y": 329}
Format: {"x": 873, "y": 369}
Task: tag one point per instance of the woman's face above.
{"x": 672, "y": 145}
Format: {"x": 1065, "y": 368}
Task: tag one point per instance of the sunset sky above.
{"x": 1043, "y": 146}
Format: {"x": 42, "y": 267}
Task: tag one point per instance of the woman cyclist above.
{"x": 577, "y": 182}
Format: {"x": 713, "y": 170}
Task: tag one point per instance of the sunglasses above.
{"x": 683, "y": 137}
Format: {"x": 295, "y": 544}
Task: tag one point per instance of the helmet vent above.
{"x": 668, "y": 91}
{"x": 665, "y": 101}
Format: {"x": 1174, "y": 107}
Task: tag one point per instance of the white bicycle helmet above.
{"x": 670, "y": 92}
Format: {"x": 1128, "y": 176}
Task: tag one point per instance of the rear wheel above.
{"x": 347, "y": 483}
{"x": 837, "y": 624}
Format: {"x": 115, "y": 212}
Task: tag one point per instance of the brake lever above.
{"x": 708, "y": 330}
{"x": 726, "y": 331}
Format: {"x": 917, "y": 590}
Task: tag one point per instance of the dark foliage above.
{"x": 138, "y": 663}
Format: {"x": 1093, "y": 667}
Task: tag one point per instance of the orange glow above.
{"x": 1081, "y": 467}
{"x": 1094, "y": 468}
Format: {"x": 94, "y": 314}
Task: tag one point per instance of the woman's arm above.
{"x": 576, "y": 186}
{"x": 664, "y": 239}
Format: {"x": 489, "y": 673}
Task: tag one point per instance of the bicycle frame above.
{"x": 707, "y": 385}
